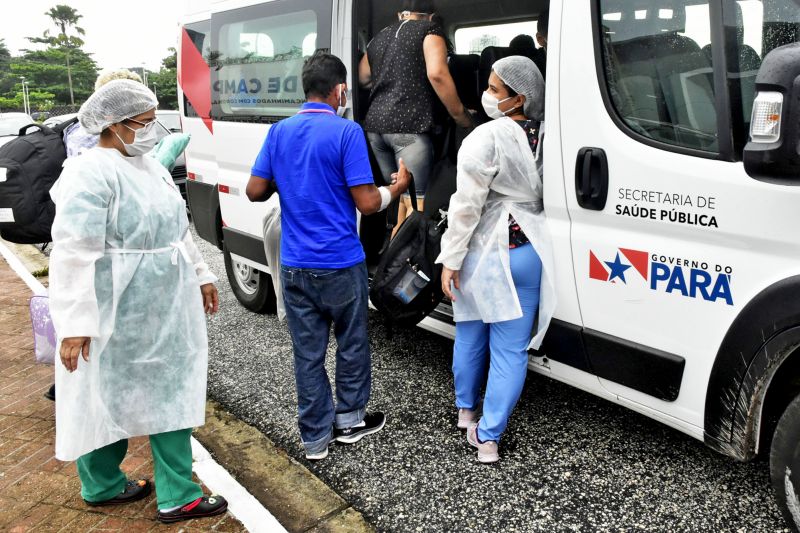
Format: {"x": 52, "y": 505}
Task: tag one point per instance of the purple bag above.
{"x": 44, "y": 333}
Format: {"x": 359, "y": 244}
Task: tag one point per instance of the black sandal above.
{"x": 206, "y": 506}
{"x": 134, "y": 491}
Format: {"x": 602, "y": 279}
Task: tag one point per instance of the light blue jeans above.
{"x": 507, "y": 347}
{"x": 416, "y": 150}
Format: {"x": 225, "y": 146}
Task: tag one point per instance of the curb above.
{"x": 30, "y": 256}
{"x": 295, "y": 496}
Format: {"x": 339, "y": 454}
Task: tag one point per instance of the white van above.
{"x": 676, "y": 228}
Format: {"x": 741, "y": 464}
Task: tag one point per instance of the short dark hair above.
{"x": 321, "y": 73}
{"x": 418, "y": 6}
{"x": 521, "y": 42}
{"x": 543, "y": 22}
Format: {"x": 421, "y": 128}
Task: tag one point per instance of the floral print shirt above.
{"x": 516, "y": 237}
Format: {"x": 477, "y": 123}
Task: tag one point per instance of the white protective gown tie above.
{"x": 177, "y": 248}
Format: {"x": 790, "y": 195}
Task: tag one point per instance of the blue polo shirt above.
{"x": 315, "y": 157}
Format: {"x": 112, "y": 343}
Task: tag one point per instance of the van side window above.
{"x": 199, "y": 34}
{"x": 753, "y": 28}
{"x": 260, "y": 52}
{"x": 661, "y": 82}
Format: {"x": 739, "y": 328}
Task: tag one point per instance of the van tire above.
{"x": 251, "y": 287}
{"x": 784, "y": 462}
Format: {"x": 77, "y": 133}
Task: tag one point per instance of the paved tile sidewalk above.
{"x": 37, "y": 492}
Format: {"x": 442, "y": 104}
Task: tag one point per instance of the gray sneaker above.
{"x": 487, "y": 451}
{"x": 466, "y": 417}
{"x": 319, "y": 456}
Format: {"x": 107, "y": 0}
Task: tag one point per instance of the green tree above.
{"x": 5, "y": 55}
{"x": 165, "y": 81}
{"x": 65, "y": 18}
{"x": 46, "y": 71}
{"x": 6, "y": 81}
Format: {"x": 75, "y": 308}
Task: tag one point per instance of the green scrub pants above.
{"x": 102, "y": 479}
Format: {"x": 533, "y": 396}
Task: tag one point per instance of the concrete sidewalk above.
{"x": 37, "y": 492}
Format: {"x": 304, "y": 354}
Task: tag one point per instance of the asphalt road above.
{"x": 570, "y": 461}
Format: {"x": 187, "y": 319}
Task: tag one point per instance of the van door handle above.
{"x": 591, "y": 178}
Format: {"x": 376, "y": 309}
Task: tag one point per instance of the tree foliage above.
{"x": 60, "y": 71}
{"x": 64, "y": 18}
{"x": 165, "y": 81}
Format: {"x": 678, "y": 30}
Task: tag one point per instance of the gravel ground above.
{"x": 570, "y": 461}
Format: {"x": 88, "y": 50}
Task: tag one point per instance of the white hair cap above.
{"x": 523, "y": 76}
{"x": 114, "y": 102}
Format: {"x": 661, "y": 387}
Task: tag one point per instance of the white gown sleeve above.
{"x": 204, "y": 274}
{"x": 476, "y": 170}
{"x": 82, "y": 197}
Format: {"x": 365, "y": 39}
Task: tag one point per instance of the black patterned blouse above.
{"x": 402, "y": 99}
{"x": 516, "y": 237}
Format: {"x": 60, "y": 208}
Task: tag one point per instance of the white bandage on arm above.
{"x": 386, "y": 197}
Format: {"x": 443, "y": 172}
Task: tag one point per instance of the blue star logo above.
{"x": 618, "y": 269}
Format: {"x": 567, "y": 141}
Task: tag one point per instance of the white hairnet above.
{"x": 523, "y": 76}
{"x": 114, "y": 102}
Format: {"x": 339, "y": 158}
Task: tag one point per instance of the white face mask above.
{"x": 491, "y": 106}
{"x": 144, "y": 140}
{"x": 342, "y": 109}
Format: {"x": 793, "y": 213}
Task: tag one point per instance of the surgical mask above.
{"x": 491, "y": 106}
{"x": 144, "y": 140}
{"x": 342, "y": 109}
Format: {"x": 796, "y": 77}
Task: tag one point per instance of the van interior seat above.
{"x": 746, "y": 59}
{"x": 667, "y": 79}
{"x": 489, "y": 56}
{"x": 464, "y": 70}
{"x": 492, "y": 54}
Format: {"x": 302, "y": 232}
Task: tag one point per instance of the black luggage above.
{"x": 29, "y": 166}
{"x": 407, "y": 286}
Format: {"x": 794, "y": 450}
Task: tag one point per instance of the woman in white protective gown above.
{"x": 128, "y": 290}
{"x": 496, "y": 253}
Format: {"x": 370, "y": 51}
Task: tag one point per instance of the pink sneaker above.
{"x": 466, "y": 417}
{"x": 487, "y": 451}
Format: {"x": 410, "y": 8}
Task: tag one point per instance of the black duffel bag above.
{"x": 406, "y": 286}
{"x": 29, "y": 166}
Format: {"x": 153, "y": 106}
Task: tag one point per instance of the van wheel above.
{"x": 784, "y": 462}
{"x": 251, "y": 287}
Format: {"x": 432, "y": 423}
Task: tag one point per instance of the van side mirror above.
{"x": 773, "y": 152}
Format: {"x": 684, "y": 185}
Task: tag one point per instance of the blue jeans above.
{"x": 416, "y": 149}
{"x": 315, "y": 299}
{"x": 507, "y": 344}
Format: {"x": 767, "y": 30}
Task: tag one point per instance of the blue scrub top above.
{"x": 315, "y": 157}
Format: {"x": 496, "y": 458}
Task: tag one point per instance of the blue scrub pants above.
{"x": 507, "y": 344}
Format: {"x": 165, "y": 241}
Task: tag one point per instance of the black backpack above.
{"x": 29, "y": 166}
{"x": 407, "y": 286}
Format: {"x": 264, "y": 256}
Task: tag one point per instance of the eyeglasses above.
{"x": 146, "y": 126}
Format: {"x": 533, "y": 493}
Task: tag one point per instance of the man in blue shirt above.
{"x": 319, "y": 164}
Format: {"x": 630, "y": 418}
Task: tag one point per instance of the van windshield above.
{"x": 753, "y": 28}
{"x": 660, "y": 63}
